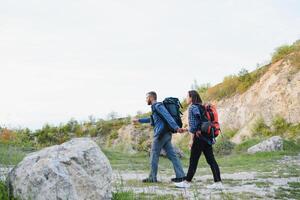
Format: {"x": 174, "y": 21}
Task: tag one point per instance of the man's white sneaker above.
{"x": 183, "y": 184}
{"x": 216, "y": 186}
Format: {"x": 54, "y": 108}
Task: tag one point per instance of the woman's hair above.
{"x": 196, "y": 99}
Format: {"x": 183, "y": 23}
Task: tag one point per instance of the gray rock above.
{"x": 73, "y": 170}
{"x": 274, "y": 143}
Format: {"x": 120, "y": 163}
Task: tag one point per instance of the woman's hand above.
{"x": 198, "y": 133}
{"x": 185, "y": 130}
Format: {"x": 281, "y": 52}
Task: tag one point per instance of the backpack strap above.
{"x": 202, "y": 115}
{"x": 151, "y": 120}
{"x": 162, "y": 117}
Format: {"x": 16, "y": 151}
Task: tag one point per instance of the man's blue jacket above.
{"x": 160, "y": 126}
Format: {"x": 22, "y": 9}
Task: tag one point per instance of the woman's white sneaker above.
{"x": 216, "y": 186}
{"x": 183, "y": 184}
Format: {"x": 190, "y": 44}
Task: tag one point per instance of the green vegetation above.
{"x": 130, "y": 195}
{"x": 238, "y": 160}
{"x": 183, "y": 144}
{"x": 291, "y": 193}
{"x": 239, "y": 83}
{"x": 127, "y": 195}
{"x": 260, "y": 128}
{"x": 284, "y": 50}
{"x": 231, "y": 85}
{"x": 279, "y": 126}
{"x": 50, "y": 135}
{"x": 223, "y": 146}
{"x": 242, "y": 148}
{"x": 3, "y": 191}
{"x": 229, "y": 133}
{"x": 234, "y": 84}
{"x": 143, "y": 142}
{"x": 16, "y": 143}
{"x": 12, "y": 154}
{"x": 290, "y": 146}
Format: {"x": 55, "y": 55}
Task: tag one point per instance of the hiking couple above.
{"x": 164, "y": 125}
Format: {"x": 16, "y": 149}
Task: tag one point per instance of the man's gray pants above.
{"x": 157, "y": 145}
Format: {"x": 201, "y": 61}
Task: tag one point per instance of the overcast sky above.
{"x": 75, "y": 58}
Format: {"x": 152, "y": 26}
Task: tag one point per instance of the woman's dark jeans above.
{"x": 198, "y": 147}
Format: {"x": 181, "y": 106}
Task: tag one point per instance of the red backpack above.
{"x": 211, "y": 127}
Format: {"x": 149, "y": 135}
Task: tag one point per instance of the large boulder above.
{"x": 73, "y": 170}
{"x": 274, "y": 143}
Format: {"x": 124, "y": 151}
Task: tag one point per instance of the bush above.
{"x": 294, "y": 130}
{"x": 143, "y": 143}
{"x": 292, "y": 51}
{"x": 234, "y": 84}
{"x": 224, "y": 89}
{"x": 261, "y": 129}
{"x": 290, "y": 146}
{"x": 281, "y": 52}
{"x": 280, "y": 125}
{"x": 223, "y": 146}
{"x": 238, "y": 84}
{"x": 229, "y": 133}
{"x": 7, "y": 135}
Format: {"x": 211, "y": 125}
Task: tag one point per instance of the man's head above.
{"x": 151, "y": 97}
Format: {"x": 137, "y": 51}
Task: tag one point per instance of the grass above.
{"x": 238, "y": 161}
{"x": 130, "y": 195}
{"x": 262, "y": 184}
{"x": 3, "y": 191}
{"x": 12, "y": 155}
{"x": 234, "y": 196}
{"x": 4, "y": 194}
{"x": 260, "y": 162}
{"x": 288, "y": 193}
{"x": 246, "y": 144}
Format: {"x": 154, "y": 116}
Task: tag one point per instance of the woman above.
{"x": 199, "y": 142}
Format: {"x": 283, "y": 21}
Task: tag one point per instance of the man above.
{"x": 163, "y": 122}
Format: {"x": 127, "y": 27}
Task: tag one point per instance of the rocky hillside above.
{"x": 277, "y": 93}
{"x": 274, "y": 92}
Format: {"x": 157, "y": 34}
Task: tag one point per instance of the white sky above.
{"x": 75, "y": 58}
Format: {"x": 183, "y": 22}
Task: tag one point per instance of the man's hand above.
{"x": 135, "y": 121}
{"x": 180, "y": 130}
